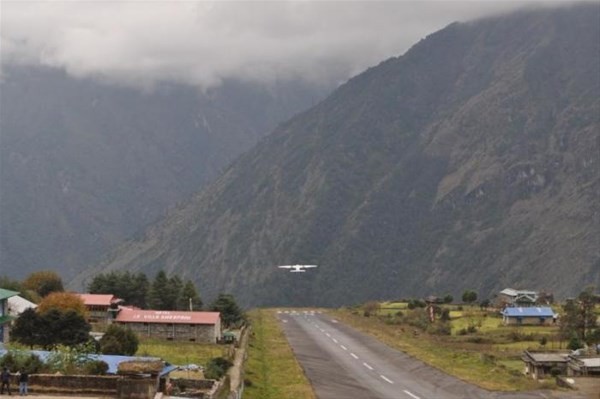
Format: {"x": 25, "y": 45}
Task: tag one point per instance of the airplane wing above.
{"x": 285, "y": 267}
{"x": 308, "y": 266}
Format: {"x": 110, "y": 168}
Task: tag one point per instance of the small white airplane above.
{"x": 297, "y": 268}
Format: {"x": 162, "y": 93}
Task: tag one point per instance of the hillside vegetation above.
{"x": 85, "y": 165}
{"x": 472, "y": 160}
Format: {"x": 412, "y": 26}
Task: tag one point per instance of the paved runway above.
{"x": 341, "y": 362}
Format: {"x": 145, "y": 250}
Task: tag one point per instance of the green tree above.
{"x": 71, "y": 328}
{"x": 157, "y": 291}
{"x": 139, "y": 291}
{"x": 469, "y": 296}
{"x": 579, "y": 318}
{"x": 189, "y": 295}
{"x": 132, "y": 288}
{"x": 49, "y": 329}
{"x": 44, "y": 282}
{"x": 448, "y": 298}
{"x": 216, "y": 368}
{"x": 119, "y": 340}
{"x": 231, "y": 314}
{"x": 28, "y": 329}
{"x": 172, "y": 294}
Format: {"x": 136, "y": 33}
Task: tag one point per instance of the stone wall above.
{"x": 75, "y": 382}
{"x": 136, "y": 388}
{"x": 112, "y": 386}
{"x": 203, "y": 333}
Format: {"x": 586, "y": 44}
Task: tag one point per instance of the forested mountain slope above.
{"x": 84, "y": 165}
{"x": 472, "y": 161}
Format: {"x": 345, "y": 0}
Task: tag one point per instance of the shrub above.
{"x": 18, "y": 361}
{"x": 216, "y": 368}
{"x": 440, "y": 328}
{"x": 574, "y": 343}
{"x": 555, "y": 372}
{"x": 445, "y": 316}
{"x": 119, "y": 341}
{"x": 96, "y": 367}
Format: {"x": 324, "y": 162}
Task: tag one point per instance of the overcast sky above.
{"x": 202, "y": 43}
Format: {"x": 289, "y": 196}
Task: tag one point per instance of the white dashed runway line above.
{"x": 368, "y": 366}
{"x": 411, "y": 394}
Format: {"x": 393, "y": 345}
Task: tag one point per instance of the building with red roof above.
{"x": 100, "y": 307}
{"x": 172, "y": 325}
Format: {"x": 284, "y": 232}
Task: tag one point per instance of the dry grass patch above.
{"x": 180, "y": 352}
{"x": 272, "y": 371}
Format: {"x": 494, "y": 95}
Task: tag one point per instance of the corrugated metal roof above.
{"x": 164, "y": 316}
{"x": 4, "y": 294}
{"x": 529, "y": 312}
{"x": 548, "y": 357}
{"x": 17, "y": 305}
{"x": 591, "y": 361}
{"x": 112, "y": 361}
{"x": 513, "y": 292}
{"x": 98, "y": 299}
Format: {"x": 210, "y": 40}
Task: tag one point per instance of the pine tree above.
{"x": 189, "y": 295}
{"x": 157, "y": 291}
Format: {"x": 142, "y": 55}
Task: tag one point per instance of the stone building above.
{"x": 172, "y": 325}
{"x": 533, "y": 316}
{"x": 542, "y": 365}
{"x": 100, "y": 307}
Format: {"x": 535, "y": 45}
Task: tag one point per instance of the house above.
{"x": 5, "y": 317}
{"x": 512, "y": 297}
{"x": 100, "y": 307}
{"x": 587, "y": 366}
{"x": 17, "y": 305}
{"x": 543, "y": 365}
{"x": 532, "y": 316}
{"x": 172, "y": 325}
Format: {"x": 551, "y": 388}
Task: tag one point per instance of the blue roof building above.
{"x": 529, "y": 316}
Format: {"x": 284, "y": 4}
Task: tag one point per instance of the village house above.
{"x": 586, "y": 366}
{"x": 100, "y": 307}
{"x": 532, "y": 316}
{"x": 202, "y": 327}
{"x": 5, "y": 317}
{"x": 543, "y": 365}
{"x": 516, "y": 298}
{"x": 17, "y": 305}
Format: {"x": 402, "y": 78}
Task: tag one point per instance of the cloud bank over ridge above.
{"x": 140, "y": 43}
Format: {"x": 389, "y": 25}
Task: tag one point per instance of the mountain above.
{"x": 85, "y": 165}
{"x": 470, "y": 162}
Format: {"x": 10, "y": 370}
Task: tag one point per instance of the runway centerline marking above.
{"x": 367, "y": 366}
{"x": 353, "y": 355}
{"x": 343, "y": 347}
{"x": 335, "y": 340}
{"x": 411, "y": 394}
{"x": 383, "y": 377}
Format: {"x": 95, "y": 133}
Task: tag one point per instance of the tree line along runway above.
{"x": 341, "y": 362}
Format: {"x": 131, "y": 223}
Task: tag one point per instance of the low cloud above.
{"x": 141, "y": 43}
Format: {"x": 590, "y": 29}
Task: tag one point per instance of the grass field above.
{"x": 489, "y": 358}
{"x": 272, "y": 371}
{"x": 180, "y": 353}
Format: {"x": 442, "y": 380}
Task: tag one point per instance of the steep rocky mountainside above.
{"x": 470, "y": 162}
{"x": 85, "y": 165}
